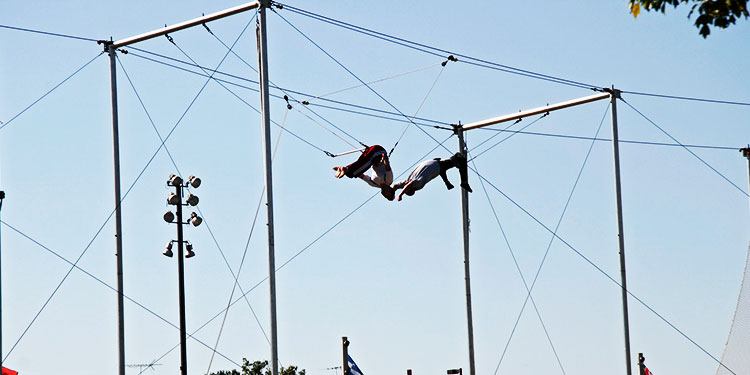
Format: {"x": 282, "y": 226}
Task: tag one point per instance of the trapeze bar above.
{"x": 186, "y": 24}
{"x": 535, "y": 111}
{"x": 349, "y": 152}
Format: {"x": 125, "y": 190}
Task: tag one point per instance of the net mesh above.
{"x": 736, "y": 357}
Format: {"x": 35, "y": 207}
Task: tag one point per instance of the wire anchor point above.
{"x": 450, "y": 58}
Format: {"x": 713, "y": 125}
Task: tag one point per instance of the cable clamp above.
{"x": 546, "y": 113}
{"x": 123, "y": 51}
{"x": 521, "y": 118}
{"x": 745, "y": 151}
{"x": 305, "y": 102}
{"x": 277, "y": 5}
{"x": 288, "y": 106}
{"x": 169, "y": 38}
{"x": 206, "y": 26}
{"x": 329, "y": 154}
{"x": 450, "y": 58}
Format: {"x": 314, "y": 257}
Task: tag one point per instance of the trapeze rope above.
{"x": 351, "y": 73}
{"x": 411, "y": 120}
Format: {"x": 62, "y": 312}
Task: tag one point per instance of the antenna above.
{"x": 143, "y": 366}
{"x": 334, "y": 369}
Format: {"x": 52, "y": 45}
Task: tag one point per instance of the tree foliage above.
{"x": 259, "y": 368}
{"x": 717, "y": 13}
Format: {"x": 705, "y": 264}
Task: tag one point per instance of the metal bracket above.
{"x": 614, "y": 92}
{"x": 106, "y": 44}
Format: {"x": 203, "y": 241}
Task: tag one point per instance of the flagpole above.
{"x": 345, "y": 356}
{"x": 641, "y": 364}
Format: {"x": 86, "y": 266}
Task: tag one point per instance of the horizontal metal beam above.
{"x": 535, "y": 111}
{"x": 186, "y": 24}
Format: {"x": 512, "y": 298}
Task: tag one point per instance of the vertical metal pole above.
{"x": 118, "y": 208}
{"x": 2, "y": 197}
{"x": 614, "y": 95}
{"x": 465, "y": 212}
{"x": 181, "y": 277}
{"x": 266, "y": 118}
{"x": 345, "y": 356}
{"x": 746, "y": 153}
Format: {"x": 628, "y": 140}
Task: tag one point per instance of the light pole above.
{"x": 175, "y": 199}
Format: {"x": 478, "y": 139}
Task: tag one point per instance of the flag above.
{"x": 352, "y": 366}
{"x": 646, "y": 371}
{"x": 7, "y": 371}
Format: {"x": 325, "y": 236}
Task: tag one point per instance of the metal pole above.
{"x": 266, "y": 118}
{"x": 345, "y": 356}
{"x": 181, "y": 277}
{"x": 614, "y": 95}
{"x": 2, "y": 197}
{"x": 746, "y": 153}
{"x": 465, "y": 212}
{"x": 118, "y": 208}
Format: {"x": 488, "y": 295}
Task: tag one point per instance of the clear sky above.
{"x": 390, "y": 275}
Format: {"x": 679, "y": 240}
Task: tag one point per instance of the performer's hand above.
{"x": 339, "y": 171}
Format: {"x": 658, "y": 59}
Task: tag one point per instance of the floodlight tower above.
{"x": 175, "y": 199}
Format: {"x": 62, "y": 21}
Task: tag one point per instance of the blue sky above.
{"x": 390, "y": 275}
